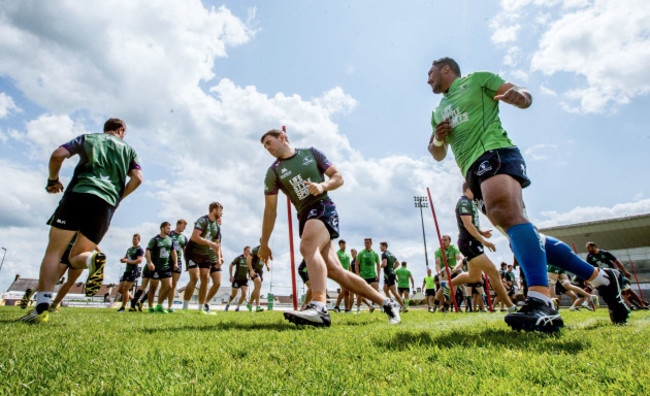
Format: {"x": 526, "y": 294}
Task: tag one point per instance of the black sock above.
{"x": 42, "y": 307}
{"x": 135, "y": 299}
{"x": 144, "y": 298}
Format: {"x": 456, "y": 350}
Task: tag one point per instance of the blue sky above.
{"x": 197, "y": 84}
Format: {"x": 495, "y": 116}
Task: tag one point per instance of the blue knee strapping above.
{"x": 560, "y": 255}
{"x": 529, "y": 250}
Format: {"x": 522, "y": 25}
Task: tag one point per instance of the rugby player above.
{"x": 239, "y": 280}
{"x": 403, "y": 278}
{"x": 98, "y": 185}
{"x": 215, "y": 272}
{"x": 345, "y": 295}
{"x": 132, "y": 259}
{"x": 389, "y": 263}
{"x": 181, "y": 241}
{"x": 467, "y": 119}
{"x": 162, "y": 261}
{"x": 201, "y": 254}
{"x": 300, "y": 174}
{"x": 429, "y": 287}
{"x": 257, "y": 267}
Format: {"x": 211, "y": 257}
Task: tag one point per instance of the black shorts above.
{"x": 162, "y": 273}
{"x": 470, "y": 249}
{"x": 503, "y": 161}
{"x": 325, "y": 211}
{"x": 389, "y": 280}
{"x": 146, "y": 273}
{"x": 83, "y": 212}
{"x": 258, "y": 273}
{"x": 198, "y": 261}
{"x": 65, "y": 259}
{"x": 239, "y": 283}
{"x": 371, "y": 280}
{"x": 214, "y": 268}
{"x": 130, "y": 276}
{"x": 475, "y": 287}
{"x": 403, "y": 289}
{"x": 304, "y": 276}
{"x": 430, "y": 292}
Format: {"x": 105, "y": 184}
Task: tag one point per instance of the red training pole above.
{"x": 637, "y": 279}
{"x": 593, "y": 306}
{"x": 444, "y": 257}
{"x": 293, "y": 261}
{"x": 487, "y": 290}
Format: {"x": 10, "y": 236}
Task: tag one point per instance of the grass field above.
{"x": 98, "y": 351}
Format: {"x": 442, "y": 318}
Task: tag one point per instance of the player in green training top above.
{"x": 97, "y": 186}
{"x": 403, "y": 278}
{"x": 132, "y": 259}
{"x": 162, "y": 259}
{"x": 471, "y": 240}
{"x": 300, "y": 173}
{"x": 201, "y": 254}
{"x": 239, "y": 280}
{"x": 368, "y": 264}
{"x": 256, "y": 271}
{"x": 344, "y": 259}
{"x": 390, "y": 263}
{"x": 429, "y": 287}
{"x": 181, "y": 240}
{"x": 467, "y": 119}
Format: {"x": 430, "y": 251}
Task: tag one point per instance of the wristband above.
{"x": 51, "y": 183}
{"x": 438, "y": 143}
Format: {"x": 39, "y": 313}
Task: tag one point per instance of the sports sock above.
{"x": 539, "y": 296}
{"x": 528, "y": 248}
{"x": 599, "y": 280}
{"x": 135, "y": 299}
{"x": 43, "y": 300}
{"x": 319, "y": 305}
{"x": 386, "y": 301}
{"x": 186, "y": 304}
{"x": 144, "y": 297}
{"x": 560, "y": 255}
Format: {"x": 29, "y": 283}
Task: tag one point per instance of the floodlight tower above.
{"x": 422, "y": 202}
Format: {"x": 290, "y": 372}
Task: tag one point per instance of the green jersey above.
{"x": 257, "y": 264}
{"x": 161, "y": 250}
{"x": 450, "y": 254}
{"x": 367, "y": 260}
{"x": 429, "y": 282}
{"x": 181, "y": 241}
{"x": 389, "y": 269}
{"x": 241, "y": 268}
{"x": 209, "y": 230}
{"x": 466, "y": 207}
{"x": 602, "y": 259}
{"x": 133, "y": 253}
{"x": 474, "y": 116}
{"x": 105, "y": 161}
{"x": 403, "y": 276}
{"x": 290, "y": 175}
{"x": 344, "y": 259}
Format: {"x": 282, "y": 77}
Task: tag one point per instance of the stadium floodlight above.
{"x": 421, "y": 202}
{"x": 3, "y": 257}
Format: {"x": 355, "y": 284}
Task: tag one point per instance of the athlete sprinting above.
{"x": 467, "y": 119}
{"x": 300, "y": 174}
{"x": 345, "y": 295}
{"x": 215, "y": 272}
{"x": 429, "y": 287}
{"x": 132, "y": 259}
{"x": 403, "y": 278}
{"x": 98, "y": 185}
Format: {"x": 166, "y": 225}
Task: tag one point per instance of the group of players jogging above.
{"x": 466, "y": 120}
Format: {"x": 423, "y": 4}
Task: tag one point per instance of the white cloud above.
{"x": 588, "y": 39}
{"x": 593, "y": 213}
{"x": 7, "y": 105}
{"x": 541, "y": 152}
{"x": 547, "y": 91}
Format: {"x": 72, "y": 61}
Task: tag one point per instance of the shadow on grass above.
{"x": 487, "y": 338}
{"x": 226, "y": 326}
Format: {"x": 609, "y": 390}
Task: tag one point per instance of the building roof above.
{"x": 612, "y": 234}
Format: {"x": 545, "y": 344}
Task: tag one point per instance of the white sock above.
{"x": 319, "y": 305}
{"x": 539, "y": 296}
{"x": 44, "y": 297}
{"x": 600, "y": 279}
{"x": 88, "y": 261}
{"x": 186, "y": 304}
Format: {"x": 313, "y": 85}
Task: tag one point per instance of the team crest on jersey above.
{"x": 483, "y": 168}
{"x": 307, "y": 161}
